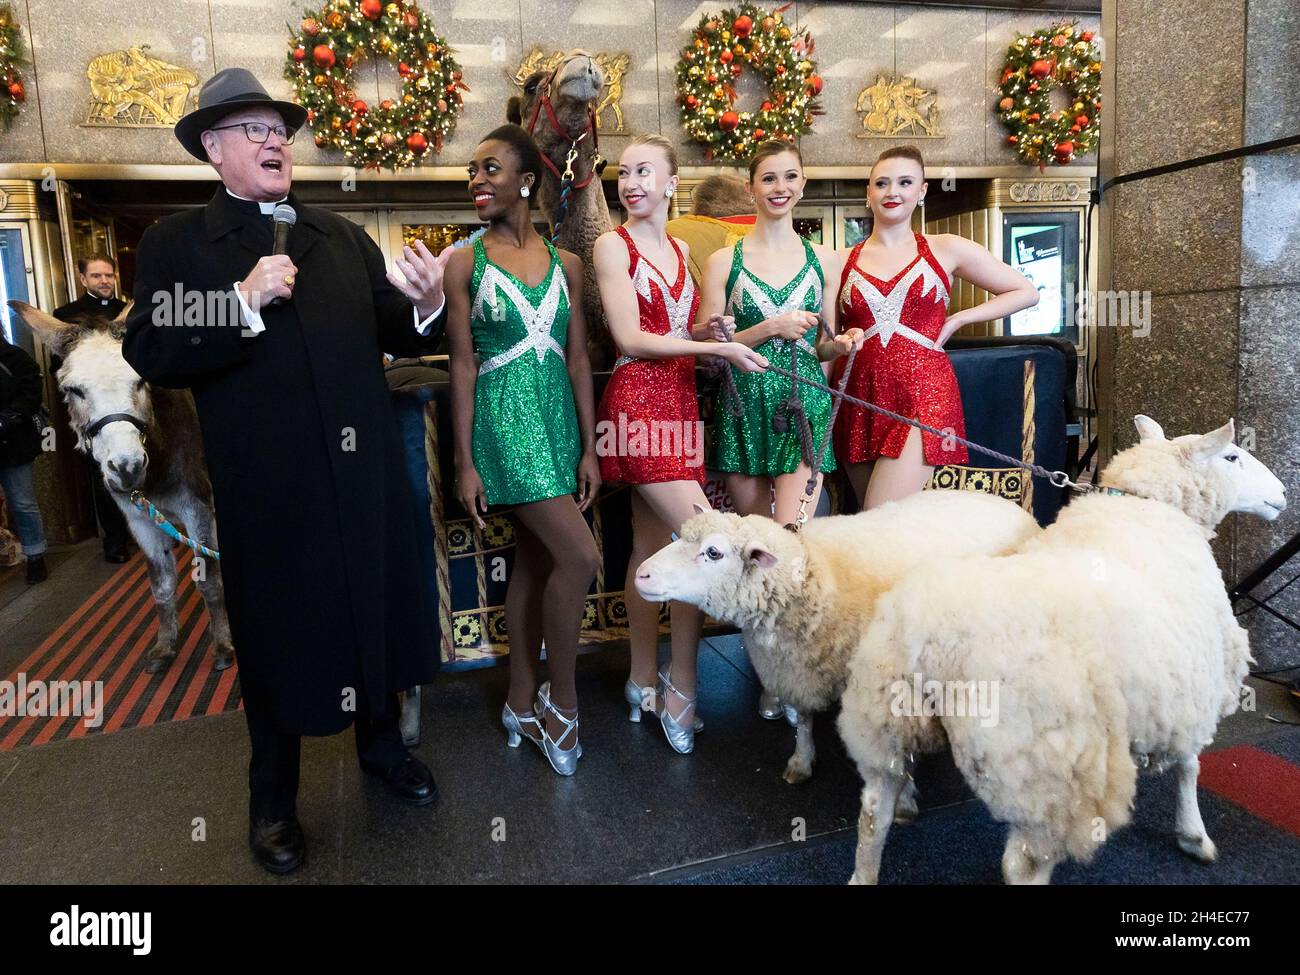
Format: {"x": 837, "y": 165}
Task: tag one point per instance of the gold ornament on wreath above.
{"x": 12, "y": 57}
{"x": 397, "y": 132}
{"x": 1060, "y": 57}
{"x": 722, "y": 47}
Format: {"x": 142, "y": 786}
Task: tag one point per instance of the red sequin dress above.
{"x": 898, "y": 366}
{"x": 648, "y": 423}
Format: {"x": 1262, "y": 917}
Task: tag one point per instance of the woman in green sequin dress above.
{"x": 524, "y": 421}
{"x": 781, "y": 322}
{"x": 766, "y": 470}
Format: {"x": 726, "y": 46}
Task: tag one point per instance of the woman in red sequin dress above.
{"x": 895, "y": 287}
{"x": 648, "y": 430}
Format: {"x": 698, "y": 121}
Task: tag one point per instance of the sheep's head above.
{"x": 1207, "y": 476}
{"x": 731, "y": 567}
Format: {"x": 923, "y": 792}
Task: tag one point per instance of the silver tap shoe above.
{"x": 680, "y": 731}
{"x": 563, "y": 760}
{"x": 514, "y": 726}
{"x": 663, "y": 680}
{"x": 639, "y": 699}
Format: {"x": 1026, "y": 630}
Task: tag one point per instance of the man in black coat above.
{"x": 20, "y": 444}
{"x": 98, "y": 300}
{"x": 283, "y": 355}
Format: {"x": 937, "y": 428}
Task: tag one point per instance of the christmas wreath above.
{"x": 396, "y": 132}
{"x": 11, "y": 56}
{"x": 722, "y": 46}
{"x": 1060, "y": 56}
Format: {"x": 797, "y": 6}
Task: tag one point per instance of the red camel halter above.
{"x": 572, "y": 157}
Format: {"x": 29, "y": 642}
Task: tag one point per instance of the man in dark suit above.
{"x": 98, "y": 299}
{"x": 283, "y": 355}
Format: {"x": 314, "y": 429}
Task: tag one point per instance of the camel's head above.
{"x": 1207, "y": 476}
{"x": 724, "y": 564}
{"x": 573, "y": 88}
{"x": 97, "y": 383}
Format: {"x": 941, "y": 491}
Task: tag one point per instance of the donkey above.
{"x": 115, "y": 414}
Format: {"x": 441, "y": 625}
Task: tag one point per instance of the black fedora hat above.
{"x": 227, "y": 91}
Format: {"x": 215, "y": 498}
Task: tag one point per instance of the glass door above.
{"x": 16, "y": 283}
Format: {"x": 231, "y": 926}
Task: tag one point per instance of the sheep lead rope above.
{"x": 167, "y": 528}
{"x": 1058, "y": 479}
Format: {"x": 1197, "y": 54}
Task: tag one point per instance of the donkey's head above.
{"x": 1207, "y": 475}
{"x": 108, "y": 403}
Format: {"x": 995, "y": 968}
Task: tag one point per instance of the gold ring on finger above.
{"x": 288, "y": 279}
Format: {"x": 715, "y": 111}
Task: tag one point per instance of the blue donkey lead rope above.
{"x": 157, "y": 517}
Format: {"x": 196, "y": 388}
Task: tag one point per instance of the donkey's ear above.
{"x": 117, "y": 327}
{"x": 515, "y": 110}
{"x": 58, "y": 336}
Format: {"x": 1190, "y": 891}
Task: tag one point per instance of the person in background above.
{"x": 20, "y": 444}
{"x": 98, "y": 299}
{"x": 722, "y": 211}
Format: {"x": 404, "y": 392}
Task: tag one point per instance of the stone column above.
{"x": 1217, "y": 248}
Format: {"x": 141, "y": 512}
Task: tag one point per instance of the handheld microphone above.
{"x": 284, "y": 217}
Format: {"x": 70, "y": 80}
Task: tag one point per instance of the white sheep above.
{"x": 1106, "y": 643}
{"x": 804, "y": 600}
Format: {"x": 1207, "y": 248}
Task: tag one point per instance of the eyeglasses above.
{"x": 259, "y": 132}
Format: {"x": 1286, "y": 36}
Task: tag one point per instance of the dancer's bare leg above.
{"x": 649, "y": 535}
{"x": 897, "y": 477}
{"x": 751, "y": 493}
{"x": 672, "y": 503}
{"x": 789, "y": 489}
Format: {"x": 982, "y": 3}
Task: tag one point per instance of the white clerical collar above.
{"x": 265, "y": 207}
{"x": 94, "y": 297}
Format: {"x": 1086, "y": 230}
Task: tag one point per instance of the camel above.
{"x": 559, "y": 109}
{"x": 115, "y": 414}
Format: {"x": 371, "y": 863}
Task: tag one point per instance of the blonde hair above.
{"x": 659, "y": 142}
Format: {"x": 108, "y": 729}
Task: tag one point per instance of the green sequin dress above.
{"x": 748, "y": 444}
{"x": 526, "y": 442}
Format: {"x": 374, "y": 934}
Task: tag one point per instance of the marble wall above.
{"x": 958, "y": 51}
{"x": 1217, "y": 247}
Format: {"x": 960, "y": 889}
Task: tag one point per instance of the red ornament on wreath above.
{"x": 323, "y": 55}
{"x": 728, "y": 121}
{"x": 371, "y": 9}
{"x": 417, "y": 143}
{"x": 743, "y": 25}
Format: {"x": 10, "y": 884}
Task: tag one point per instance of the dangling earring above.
{"x": 668, "y": 192}
{"x": 524, "y": 191}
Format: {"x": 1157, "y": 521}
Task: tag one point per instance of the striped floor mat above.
{"x": 106, "y": 639}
